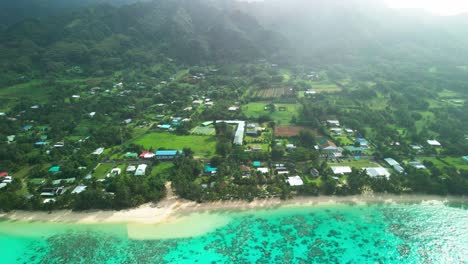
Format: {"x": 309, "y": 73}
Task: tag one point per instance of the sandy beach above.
{"x": 173, "y": 207}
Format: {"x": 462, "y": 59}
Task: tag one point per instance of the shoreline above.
{"x": 173, "y": 208}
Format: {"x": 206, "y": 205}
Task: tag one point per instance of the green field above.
{"x": 201, "y": 130}
{"x": 163, "y": 169}
{"x": 102, "y": 170}
{"x": 201, "y": 145}
{"x": 449, "y": 161}
{"x": 255, "y": 110}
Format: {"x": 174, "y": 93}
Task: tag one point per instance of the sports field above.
{"x": 203, "y": 146}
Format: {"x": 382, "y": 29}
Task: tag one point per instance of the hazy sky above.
{"x": 440, "y": 7}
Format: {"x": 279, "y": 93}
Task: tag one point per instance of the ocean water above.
{"x": 428, "y": 232}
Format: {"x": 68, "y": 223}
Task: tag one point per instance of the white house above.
{"x": 98, "y": 151}
{"x": 434, "y": 143}
{"x": 377, "y": 172}
{"x": 79, "y": 189}
{"x": 333, "y": 123}
{"x": 116, "y": 171}
{"x": 263, "y": 170}
{"x": 141, "y": 170}
{"x": 391, "y": 162}
{"x": 341, "y": 170}
{"x": 295, "y": 181}
{"x": 131, "y": 169}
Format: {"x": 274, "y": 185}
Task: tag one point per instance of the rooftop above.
{"x": 341, "y": 169}
{"x": 167, "y": 152}
{"x": 391, "y": 162}
{"x": 79, "y": 189}
{"x": 434, "y": 143}
{"x": 377, "y": 172}
{"x": 295, "y": 181}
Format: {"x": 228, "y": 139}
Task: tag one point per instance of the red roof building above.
{"x": 147, "y": 155}
{"x": 3, "y": 174}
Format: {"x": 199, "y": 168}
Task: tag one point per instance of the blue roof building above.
{"x": 210, "y": 170}
{"x": 167, "y": 154}
{"x": 257, "y": 164}
{"x": 41, "y": 144}
{"x": 465, "y": 158}
{"x": 27, "y": 127}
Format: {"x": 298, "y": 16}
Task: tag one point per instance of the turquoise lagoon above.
{"x": 428, "y": 232}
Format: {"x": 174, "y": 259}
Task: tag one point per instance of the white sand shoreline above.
{"x": 172, "y": 208}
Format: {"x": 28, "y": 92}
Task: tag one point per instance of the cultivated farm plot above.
{"x": 292, "y": 131}
{"x": 283, "y": 117}
{"x": 358, "y": 164}
{"x": 203, "y": 146}
{"x": 322, "y": 87}
{"x": 201, "y": 130}
{"x": 273, "y": 93}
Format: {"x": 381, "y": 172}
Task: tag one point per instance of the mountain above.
{"x": 337, "y": 31}
{"x": 104, "y": 38}
{"x": 15, "y": 11}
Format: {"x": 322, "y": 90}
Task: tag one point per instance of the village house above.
{"x": 333, "y": 123}
{"x": 434, "y": 143}
{"x": 246, "y": 171}
{"x": 210, "y": 171}
{"x": 355, "y": 151}
{"x": 418, "y": 165}
{"x": 314, "y": 173}
{"x": 295, "y": 181}
{"x": 252, "y": 133}
{"x": 131, "y": 155}
{"x": 147, "y": 155}
{"x": 54, "y": 169}
{"x": 341, "y": 170}
{"x": 363, "y": 143}
{"x": 79, "y": 189}
{"x": 377, "y": 172}
{"x": 141, "y": 170}
{"x": 98, "y": 151}
{"x": 328, "y": 147}
{"x": 167, "y": 154}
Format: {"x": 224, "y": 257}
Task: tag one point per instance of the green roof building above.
{"x": 131, "y": 155}
{"x": 54, "y": 169}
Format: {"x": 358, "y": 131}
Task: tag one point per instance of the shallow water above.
{"x": 375, "y": 233}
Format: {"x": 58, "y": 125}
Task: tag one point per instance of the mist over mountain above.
{"x": 101, "y": 37}
{"x": 349, "y": 31}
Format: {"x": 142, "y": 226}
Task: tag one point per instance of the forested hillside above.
{"x": 101, "y": 39}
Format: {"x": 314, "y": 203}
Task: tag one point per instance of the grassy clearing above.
{"x": 324, "y": 86}
{"x": 344, "y": 141}
{"x": 448, "y": 94}
{"x": 456, "y": 162}
{"x": 200, "y": 145}
{"x": 426, "y": 118}
{"x": 102, "y": 170}
{"x": 255, "y": 110}
{"x": 34, "y": 89}
{"x": 163, "y": 169}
